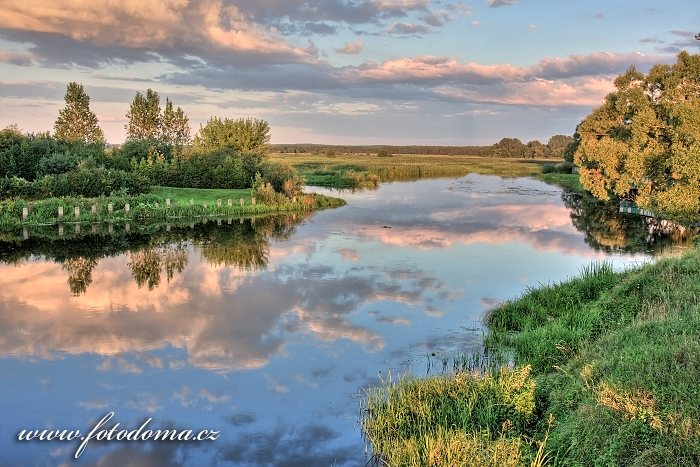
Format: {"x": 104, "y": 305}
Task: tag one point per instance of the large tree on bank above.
{"x": 76, "y": 122}
{"x": 643, "y": 143}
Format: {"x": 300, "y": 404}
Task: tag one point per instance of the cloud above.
{"x": 437, "y": 19}
{"x": 17, "y": 58}
{"x": 284, "y": 445}
{"x": 351, "y": 48}
{"x": 500, "y": 3}
{"x": 166, "y": 28}
{"x": 409, "y": 29}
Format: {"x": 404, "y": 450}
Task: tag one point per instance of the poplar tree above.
{"x": 144, "y": 117}
{"x": 76, "y": 122}
{"x": 175, "y": 128}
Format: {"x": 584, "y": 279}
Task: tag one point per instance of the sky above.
{"x": 434, "y": 72}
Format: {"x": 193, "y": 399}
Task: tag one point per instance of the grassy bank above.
{"x": 605, "y": 373}
{"x": 367, "y": 170}
{"x": 184, "y": 203}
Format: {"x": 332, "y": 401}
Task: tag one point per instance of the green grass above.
{"x": 152, "y": 207}
{"x": 569, "y": 181}
{"x": 366, "y": 170}
{"x": 614, "y": 363}
{"x": 201, "y": 195}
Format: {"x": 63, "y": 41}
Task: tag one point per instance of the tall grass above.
{"x": 613, "y": 361}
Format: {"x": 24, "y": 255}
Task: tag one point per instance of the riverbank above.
{"x": 605, "y": 373}
{"x": 367, "y": 170}
{"x": 161, "y": 204}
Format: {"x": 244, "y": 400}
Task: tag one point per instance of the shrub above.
{"x": 548, "y": 169}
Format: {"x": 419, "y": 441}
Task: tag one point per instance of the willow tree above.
{"x": 76, "y": 122}
{"x": 246, "y": 135}
{"x": 643, "y": 143}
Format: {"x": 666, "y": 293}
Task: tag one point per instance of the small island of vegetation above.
{"x": 159, "y": 173}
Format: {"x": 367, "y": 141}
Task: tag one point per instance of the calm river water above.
{"x": 268, "y": 330}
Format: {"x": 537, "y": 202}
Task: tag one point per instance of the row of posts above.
{"x": 127, "y": 207}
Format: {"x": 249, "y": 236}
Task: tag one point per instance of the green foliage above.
{"x": 57, "y": 163}
{"x": 283, "y": 178}
{"x": 76, "y": 122}
{"x": 81, "y": 182}
{"x": 144, "y": 117}
{"x": 175, "y": 128}
{"x": 243, "y": 135}
{"x": 643, "y": 143}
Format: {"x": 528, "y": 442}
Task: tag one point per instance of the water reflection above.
{"x": 266, "y": 329}
{"x": 606, "y": 229}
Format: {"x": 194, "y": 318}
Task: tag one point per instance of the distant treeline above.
{"x": 556, "y": 147}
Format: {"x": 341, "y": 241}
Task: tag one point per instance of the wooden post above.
{"x": 94, "y": 209}
{"x": 218, "y": 222}
{"x": 127, "y": 208}
{"x": 110, "y": 228}
{"x": 94, "y": 228}
{"x": 60, "y": 230}
{"x": 77, "y": 228}
{"x": 110, "y": 208}
{"x": 241, "y": 202}
{"x": 218, "y": 203}
{"x": 167, "y": 227}
{"x": 77, "y": 212}
{"x": 60, "y": 213}
{"x": 294, "y": 199}
{"x": 25, "y": 233}
{"x": 252, "y": 201}
{"x": 127, "y": 227}
{"x": 25, "y": 214}
{"x": 230, "y": 202}
{"x": 167, "y": 202}
{"x": 229, "y": 221}
{"x": 191, "y": 202}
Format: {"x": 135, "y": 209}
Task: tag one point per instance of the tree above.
{"x": 558, "y": 144}
{"x": 242, "y": 135}
{"x": 175, "y": 128}
{"x": 144, "y": 117}
{"x": 643, "y": 143}
{"x": 76, "y": 122}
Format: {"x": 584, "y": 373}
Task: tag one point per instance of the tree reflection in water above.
{"x": 606, "y": 229}
{"x": 155, "y": 249}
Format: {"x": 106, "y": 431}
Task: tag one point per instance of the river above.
{"x": 267, "y": 330}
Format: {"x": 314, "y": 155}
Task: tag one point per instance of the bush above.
{"x": 88, "y": 182}
{"x": 548, "y": 169}
{"x": 57, "y": 163}
{"x": 564, "y": 167}
{"x": 283, "y": 178}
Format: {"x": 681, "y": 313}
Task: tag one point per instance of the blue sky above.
{"x": 338, "y": 71}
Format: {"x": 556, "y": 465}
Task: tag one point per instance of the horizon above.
{"x": 365, "y": 72}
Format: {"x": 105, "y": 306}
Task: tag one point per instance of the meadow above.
{"x": 367, "y": 170}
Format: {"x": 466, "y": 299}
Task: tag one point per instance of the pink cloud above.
{"x": 166, "y": 24}
{"x": 351, "y": 48}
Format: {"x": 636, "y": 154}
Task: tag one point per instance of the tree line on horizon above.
{"x": 556, "y": 148}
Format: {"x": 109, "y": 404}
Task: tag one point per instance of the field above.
{"x": 366, "y": 170}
